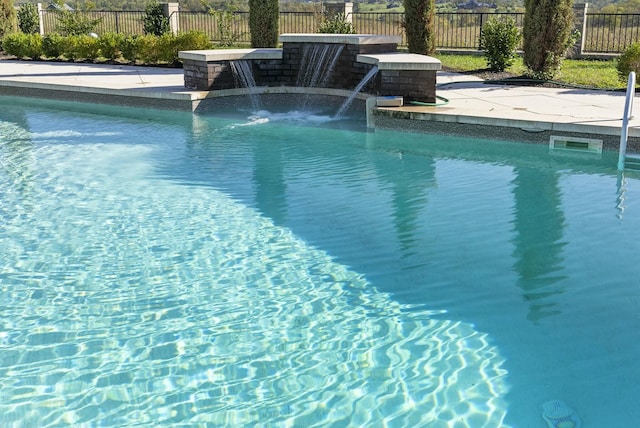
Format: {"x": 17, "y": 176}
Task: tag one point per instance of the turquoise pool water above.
{"x": 164, "y": 269}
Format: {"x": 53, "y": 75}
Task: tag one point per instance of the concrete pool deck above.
{"x": 470, "y": 100}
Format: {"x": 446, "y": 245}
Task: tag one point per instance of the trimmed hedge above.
{"x": 145, "y": 49}
{"x": 23, "y": 45}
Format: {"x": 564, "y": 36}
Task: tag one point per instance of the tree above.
{"x": 28, "y": 19}
{"x": 419, "y": 24}
{"x": 8, "y": 22}
{"x": 547, "y": 31}
{"x": 263, "y": 23}
{"x": 154, "y": 21}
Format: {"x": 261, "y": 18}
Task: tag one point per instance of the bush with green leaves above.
{"x": 75, "y": 23}
{"x": 629, "y": 61}
{"x": 227, "y": 33}
{"x": 499, "y": 40}
{"x": 191, "y": 40}
{"x": 53, "y": 45}
{"x": 28, "y": 18}
{"x": 8, "y": 21}
{"x": 154, "y": 21}
{"x": 110, "y": 45}
{"x": 23, "y": 45}
{"x": 130, "y": 49}
{"x": 547, "y": 30}
{"x": 264, "y": 19}
{"x": 81, "y": 46}
{"x": 419, "y": 25}
{"x": 337, "y": 24}
{"x": 146, "y": 49}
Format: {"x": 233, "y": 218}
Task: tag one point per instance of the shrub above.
{"x": 629, "y": 61}
{"x": 263, "y": 23}
{"x": 337, "y": 24}
{"x": 227, "y": 35}
{"x": 546, "y": 35}
{"x": 53, "y": 45}
{"x": 23, "y": 45}
{"x": 155, "y": 23}
{"x": 192, "y": 40}
{"x": 419, "y": 24}
{"x": 147, "y": 49}
{"x": 28, "y": 18}
{"x": 131, "y": 49}
{"x": 8, "y": 19}
{"x": 499, "y": 40}
{"x": 75, "y": 23}
{"x": 165, "y": 49}
{"x": 110, "y": 45}
{"x": 81, "y": 47}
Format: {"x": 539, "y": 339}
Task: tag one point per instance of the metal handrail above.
{"x": 628, "y": 114}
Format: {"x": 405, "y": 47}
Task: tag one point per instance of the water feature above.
{"x": 317, "y": 64}
{"x": 243, "y": 76}
{"x": 363, "y": 82}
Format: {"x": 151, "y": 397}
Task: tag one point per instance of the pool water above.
{"x": 196, "y": 270}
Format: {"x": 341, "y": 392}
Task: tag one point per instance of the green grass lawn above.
{"x": 590, "y": 73}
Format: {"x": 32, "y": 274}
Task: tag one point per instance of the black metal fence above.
{"x": 125, "y": 22}
{"x": 611, "y": 32}
{"x": 603, "y": 32}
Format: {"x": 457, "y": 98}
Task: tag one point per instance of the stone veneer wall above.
{"x": 347, "y": 74}
{"x": 413, "y": 85}
{"x": 207, "y": 76}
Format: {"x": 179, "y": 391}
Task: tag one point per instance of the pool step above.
{"x": 632, "y": 161}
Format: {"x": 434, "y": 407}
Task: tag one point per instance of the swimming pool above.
{"x": 194, "y": 270}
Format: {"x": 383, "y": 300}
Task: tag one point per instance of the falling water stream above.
{"x": 243, "y": 76}
{"x": 355, "y": 92}
{"x": 317, "y": 64}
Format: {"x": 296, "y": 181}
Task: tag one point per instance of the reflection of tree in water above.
{"x": 408, "y": 177}
{"x": 539, "y": 222}
{"x": 16, "y": 153}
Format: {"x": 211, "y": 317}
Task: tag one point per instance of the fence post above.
{"x": 40, "y": 18}
{"x": 579, "y": 24}
{"x": 480, "y": 33}
{"x": 171, "y": 12}
{"x": 333, "y": 9}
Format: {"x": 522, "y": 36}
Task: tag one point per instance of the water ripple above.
{"x": 125, "y": 307}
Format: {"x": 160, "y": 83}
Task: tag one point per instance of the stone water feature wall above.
{"x": 358, "y": 54}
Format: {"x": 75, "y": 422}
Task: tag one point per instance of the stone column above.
{"x": 579, "y": 24}
{"x": 40, "y": 20}
{"x": 171, "y": 12}
{"x": 333, "y": 9}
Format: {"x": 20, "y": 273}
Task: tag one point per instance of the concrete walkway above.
{"x": 470, "y": 100}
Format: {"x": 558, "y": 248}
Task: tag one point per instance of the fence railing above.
{"x": 611, "y": 33}
{"x": 603, "y": 32}
{"x": 125, "y": 22}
